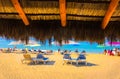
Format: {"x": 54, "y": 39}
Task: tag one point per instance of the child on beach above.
{"x": 105, "y": 52}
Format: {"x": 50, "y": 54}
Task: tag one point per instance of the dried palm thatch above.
{"x": 46, "y": 30}
{"x": 112, "y": 32}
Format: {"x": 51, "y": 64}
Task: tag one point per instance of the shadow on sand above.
{"x": 83, "y": 64}
{"x": 41, "y": 63}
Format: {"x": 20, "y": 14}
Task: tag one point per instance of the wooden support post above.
{"x": 20, "y": 11}
{"x": 62, "y": 5}
{"x": 112, "y": 6}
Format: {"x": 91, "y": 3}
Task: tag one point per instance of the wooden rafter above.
{"x": 112, "y": 6}
{"x": 62, "y": 5}
{"x": 20, "y": 11}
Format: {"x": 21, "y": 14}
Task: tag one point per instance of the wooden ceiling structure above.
{"x": 71, "y": 18}
{"x": 63, "y": 10}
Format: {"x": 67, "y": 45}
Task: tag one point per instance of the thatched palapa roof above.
{"x": 90, "y": 20}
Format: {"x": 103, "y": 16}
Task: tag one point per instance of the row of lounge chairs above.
{"x": 46, "y": 52}
{"x": 39, "y": 58}
{"x": 66, "y": 59}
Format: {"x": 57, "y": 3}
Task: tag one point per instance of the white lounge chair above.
{"x": 81, "y": 58}
{"x": 66, "y": 59}
{"x": 41, "y": 58}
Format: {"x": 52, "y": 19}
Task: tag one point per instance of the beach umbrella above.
{"x": 15, "y": 43}
{"x": 65, "y": 44}
{"x": 23, "y": 42}
{"x": 112, "y": 43}
{"x": 69, "y": 42}
{"x": 101, "y": 45}
{"x": 33, "y": 45}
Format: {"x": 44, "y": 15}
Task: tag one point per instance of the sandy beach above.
{"x": 99, "y": 67}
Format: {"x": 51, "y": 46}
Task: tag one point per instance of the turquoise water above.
{"x": 83, "y": 45}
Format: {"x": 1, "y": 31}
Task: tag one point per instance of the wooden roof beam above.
{"x": 20, "y": 11}
{"x": 62, "y": 6}
{"x": 112, "y": 6}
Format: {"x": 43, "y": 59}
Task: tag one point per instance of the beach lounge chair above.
{"x": 28, "y": 59}
{"x": 66, "y": 58}
{"x": 81, "y": 58}
{"x": 41, "y": 58}
{"x": 74, "y": 55}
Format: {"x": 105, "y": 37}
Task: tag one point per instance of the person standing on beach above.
{"x": 26, "y": 50}
{"x": 83, "y": 52}
{"x": 76, "y": 50}
{"x": 14, "y": 48}
{"x": 58, "y": 50}
{"x": 105, "y": 52}
{"x": 118, "y": 51}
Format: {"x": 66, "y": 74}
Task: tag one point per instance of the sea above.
{"x": 80, "y": 46}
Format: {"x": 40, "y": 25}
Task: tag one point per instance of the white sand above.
{"x": 99, "y": 67}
